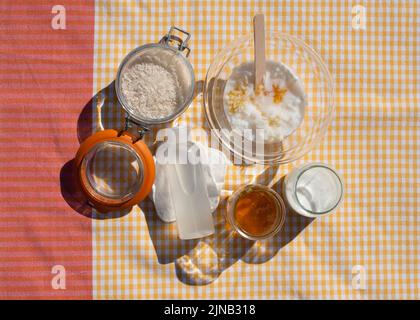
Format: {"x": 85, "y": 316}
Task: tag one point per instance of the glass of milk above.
{"x": 313, "y": 190}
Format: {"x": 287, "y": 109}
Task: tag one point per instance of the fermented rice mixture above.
{"x": 277, "y": 106}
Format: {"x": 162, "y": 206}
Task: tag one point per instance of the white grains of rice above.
{"x": 150, "y": 90}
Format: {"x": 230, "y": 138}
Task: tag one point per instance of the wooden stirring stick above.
{"x": 259, "y": 51}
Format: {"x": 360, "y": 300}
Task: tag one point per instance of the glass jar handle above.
{"x": 181, "y": 44}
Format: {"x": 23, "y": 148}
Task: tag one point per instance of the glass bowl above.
{"x": 305, "y": 64}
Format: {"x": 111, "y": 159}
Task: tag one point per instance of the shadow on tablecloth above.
{"x": 294, "y": 224}
{"x": 102, "y": 111}
{"x": 197, "y": 262}
{"x": 70, "y": 190}
{"x": 212, "y": 255}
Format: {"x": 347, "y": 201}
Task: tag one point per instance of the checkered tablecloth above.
{"x": 373, "y": 141}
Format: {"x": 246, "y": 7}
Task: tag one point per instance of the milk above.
{"x": 313, "y": 190}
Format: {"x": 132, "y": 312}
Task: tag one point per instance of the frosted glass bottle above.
{"x": 189, "y": 199}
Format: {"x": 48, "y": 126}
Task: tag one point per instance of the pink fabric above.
{"x": 45, "y": 82}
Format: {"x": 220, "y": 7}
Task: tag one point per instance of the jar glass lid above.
{"x": 113, "y": 170}
{"x": 319, "y": 189}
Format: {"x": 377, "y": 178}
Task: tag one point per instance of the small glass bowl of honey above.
{"x": 256, "y": 212}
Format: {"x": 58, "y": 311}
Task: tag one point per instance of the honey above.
{"x": 256, "y": 212}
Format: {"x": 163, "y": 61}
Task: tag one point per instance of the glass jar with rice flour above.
{"x": 154, "y": 85}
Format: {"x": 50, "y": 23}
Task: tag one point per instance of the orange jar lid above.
{"x": 115, "y": 170}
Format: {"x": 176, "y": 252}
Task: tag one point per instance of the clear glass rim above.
{"x": 139, "y": 181}
{"x": 280, "y": 158}
{"x": 338, "y": 178}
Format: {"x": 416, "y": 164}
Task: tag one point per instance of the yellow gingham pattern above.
{"x": 373, "y": 141}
